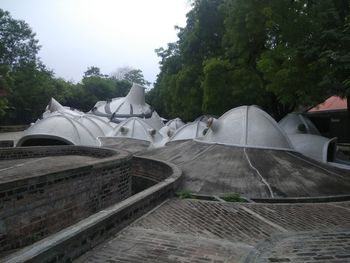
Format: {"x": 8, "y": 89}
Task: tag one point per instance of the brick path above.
{"x": 203, "y": 231}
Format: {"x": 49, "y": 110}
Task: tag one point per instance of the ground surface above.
{"x": 16, "y": 169}
{"x": 204, "y": 231}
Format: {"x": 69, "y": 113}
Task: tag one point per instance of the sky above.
{"x": 109, "y": 34}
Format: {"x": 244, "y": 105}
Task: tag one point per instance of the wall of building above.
{"x": 33, "y": 208}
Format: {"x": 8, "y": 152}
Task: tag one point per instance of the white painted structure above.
{"x": 136, "y": 128}
{"x": 296, "y": 123}
{"x": 175, "y": 124}
{"x": 247, "y": 126}
{"x": 306, "y": 138}
{"x": 190, "y": 131}
{"x": 133, "y": 105}
{"x": 58, "y": 128}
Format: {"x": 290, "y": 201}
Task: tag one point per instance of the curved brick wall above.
{"x": 73, "y": 241}
{"x": 33, "y": 207}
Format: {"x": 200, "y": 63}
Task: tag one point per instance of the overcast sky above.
{"x": 109, "y": 34}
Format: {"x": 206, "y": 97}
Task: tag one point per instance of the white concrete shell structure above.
{"x": 96, "y": 125}
{"x": 57, "y": 129}
{"x": 296, "y": 123}
{"x": 190, "y": 131}
{"x": 316, "y": 147}
{"x": 247, "y": 126}
{"x": 133, "y": 105}
{"x": 175, "y": 124}
{"x": 136, "y": 128}
{"x": 55, "y": 107}
{"x": 306, "y": 138}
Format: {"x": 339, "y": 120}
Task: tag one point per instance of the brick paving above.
{"x": 320, "y": 246}
{"x": 204, "y": 231}
{"x": 304, "y": 217}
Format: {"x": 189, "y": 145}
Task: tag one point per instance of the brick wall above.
{"x": 86, "y": 234}
{"x": 147, "y": 172}
{"x": 36, "y": 207}
{"x": 6, "y": 143}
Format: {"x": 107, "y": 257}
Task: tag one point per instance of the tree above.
{"x": 5, "y": 88}
{"x": 17, "y": 41}
{"x": 18, "y": 47}
{"x": 93, "y": 72}
{"x": 130, "y": 75}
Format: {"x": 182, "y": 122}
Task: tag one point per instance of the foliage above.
{"x": 17, "y": 41}
{"x": 232, "y": 197}
{"x": 184, "y": 194}
{"x": 130, "y": 75}
{"x": 278, "y": 54}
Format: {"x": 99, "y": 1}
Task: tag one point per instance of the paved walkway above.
{"x": 204, "y": 231}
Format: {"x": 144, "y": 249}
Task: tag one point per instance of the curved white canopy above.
{"x": 59, "y": 128}
{"x": 190, "y": 131}
{"x": 296, "y": 123}
{"x": 247, "y": 126}
{"x": 55, "y": 107}
{"x": 175, "y": 124}
{"x": 136, "y": 128}
{"x": 133, "y": 105}
{"x": 316, "y": 147}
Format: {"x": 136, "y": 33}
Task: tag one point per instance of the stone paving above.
{"x": 205, "y": 231}
{"x": 315, "y": 246}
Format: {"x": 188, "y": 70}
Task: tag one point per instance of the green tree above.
{"x": 94, "y": 87}
{"x": 130, "y": 75}
{"x": 33, "y": 87}
{"x": 17, "y": 41}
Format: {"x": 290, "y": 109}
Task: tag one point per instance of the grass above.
{"x": 232, "y": 197}
{"x": 184, "y": 194}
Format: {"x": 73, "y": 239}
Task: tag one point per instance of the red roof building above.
{"x": 333, "y": 103}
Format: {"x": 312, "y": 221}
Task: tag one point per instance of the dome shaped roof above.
{"x": 97, "y": 126}
{"x": 55, "y": 107}
{"x": 175, "y": 124}
{"x": 316, "y": 147}
{"x": 247, "y": 126}
{"x": 133, "y": 105}
{"x": 57, "y": 129}
{"x": 136, "y": 128}
{"x": 190, "y": 131}
{"x": 296, "y": 123}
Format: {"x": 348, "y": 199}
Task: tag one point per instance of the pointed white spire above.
{"x": 136, "y": 94}
{"x": 54, "y": 105}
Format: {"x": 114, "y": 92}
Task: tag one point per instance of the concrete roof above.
{"x": 297, "y": 123}
{"x": 133, "y": 105}
{"x": 247, "y": 126}
{"x": 55, "y": 107}
{"x": 61, "y": 128}
{"x": 252, "y": 172}
{"x": 136, "y": 128}
{"x": 189, "y": 131}
{"x": 175, "y": 124}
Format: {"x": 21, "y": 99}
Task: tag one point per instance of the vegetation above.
{"x": 232, "y": 197}
{"x": 279, "y": 54}
{"x": 184, "y": 194}
{"x": 26, "y": 85}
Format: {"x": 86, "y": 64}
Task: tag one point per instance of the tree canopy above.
{"x": 26, "y": 84}
{"x": 279, "y": 54}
